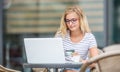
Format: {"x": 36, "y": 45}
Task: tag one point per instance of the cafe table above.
{"x": 55, "y": 66}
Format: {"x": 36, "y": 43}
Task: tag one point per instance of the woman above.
{"x": 76, "y": 35}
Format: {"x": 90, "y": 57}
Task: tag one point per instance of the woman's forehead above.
{"x": 72, "y": 14}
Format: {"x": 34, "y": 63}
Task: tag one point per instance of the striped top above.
{"x": 81, "y": 47}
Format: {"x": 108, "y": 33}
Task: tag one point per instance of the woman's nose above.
{"x": 70, "y": 23}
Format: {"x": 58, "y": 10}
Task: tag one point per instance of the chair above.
{"x": 105, "y": 62}
{"x": 39, "y": 70}
{"x": 4, "y": 69}
{"x": 112, "y": 48}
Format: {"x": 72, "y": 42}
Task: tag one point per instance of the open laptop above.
{"x": 44, "y": 50}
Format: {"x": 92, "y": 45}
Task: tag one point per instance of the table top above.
{"x": 53, "y": 65}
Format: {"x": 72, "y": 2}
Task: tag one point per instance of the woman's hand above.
{"x": 76, "y": 57}
{"x": 84, "y": 61}
{"x": 75, "y": 54}
{"x": 92, "y": 65}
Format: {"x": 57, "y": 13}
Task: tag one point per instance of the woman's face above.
{"x": 72, "y": 21}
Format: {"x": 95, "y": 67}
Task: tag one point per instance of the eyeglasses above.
{"x": 73, "y": 20}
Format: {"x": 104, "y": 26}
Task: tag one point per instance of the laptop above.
{"x": 44, "y": 50}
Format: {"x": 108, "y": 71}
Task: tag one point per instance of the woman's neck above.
{"x": 75, "y": 34}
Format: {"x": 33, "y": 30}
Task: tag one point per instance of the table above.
{"x": 55, "y": 66}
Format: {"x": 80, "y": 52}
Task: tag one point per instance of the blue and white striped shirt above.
{"x": 81, "y": 47}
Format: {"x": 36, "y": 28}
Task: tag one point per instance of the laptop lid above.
{"x": 44, "y": 50}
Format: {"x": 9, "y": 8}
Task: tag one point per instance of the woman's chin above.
{"x": 72, "y": 29}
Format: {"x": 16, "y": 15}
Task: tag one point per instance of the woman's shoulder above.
{"x": 89, "y": 35}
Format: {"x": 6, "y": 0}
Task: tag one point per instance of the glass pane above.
{"x": 116, "y": 21}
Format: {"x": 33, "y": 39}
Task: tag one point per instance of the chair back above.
{"x": 4, "y": 69}
{"x": 105, "y": 62}
{"x": 112, "y": 48}
{"x": 109, "y": 64}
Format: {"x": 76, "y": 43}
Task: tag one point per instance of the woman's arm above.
{"x": 93, "y": 52}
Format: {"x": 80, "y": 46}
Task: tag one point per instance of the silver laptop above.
{"x": 44, "y": 50}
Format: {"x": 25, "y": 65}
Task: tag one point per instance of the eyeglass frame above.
{"x": 73, "y": 21}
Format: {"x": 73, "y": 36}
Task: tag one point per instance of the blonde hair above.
{"x": 84, "y": 27}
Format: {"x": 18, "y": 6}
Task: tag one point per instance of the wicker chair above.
{"x": 111, "y": 48}
{"x": 4, "y": 69}
{"x": 105, "y": 62}
{"x": 39, "y": 70}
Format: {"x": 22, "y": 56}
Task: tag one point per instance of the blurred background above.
{"x": 41, "y": 18}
